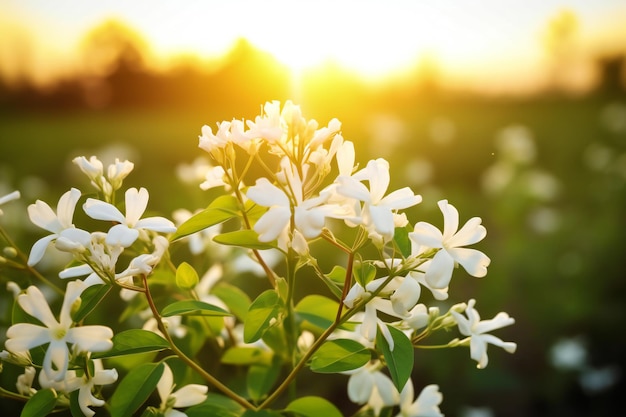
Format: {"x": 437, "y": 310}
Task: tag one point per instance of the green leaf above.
{"x": 89, "y": 300}
{"x": 337, "y": 275}
{"x": 220, "y": 210}
{"x": 40, "y": 404}
{"x": 400, "y": 359}
{"x": 261, "y": 413}
{"x": 313, "y": 407}
{"x": 339, "y": 355}
{"x": 133, "y": 341}
{"x": 402, "y": 241}
{"x": 261, "y": 378}
{"x": 263, "y": 314}
{"x": 246, "y": 355}
{"x": 235, "y": 299}
{"x": 135, "y": 389}
{"x": 193, "y": 308}
{"x": 216, "y": 405}
{"x": 317, "y": 310}
{"x": 186, "y": 276}
{"x": 364, "y": 272}
{"x": 244, "y": 238}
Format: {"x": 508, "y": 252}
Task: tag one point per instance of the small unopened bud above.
{"x": 75, "y": 306}
{"x": 10, "y": 252}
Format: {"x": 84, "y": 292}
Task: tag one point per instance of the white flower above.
{"x": 477, "y": 330}
{"x": 368, "y": 385}
{"x": 425, "y": 405}
{"x": 43, "y": 216}
{"x": 268, "y": 126}
{"x": 275, "y": 221}
{"x": 91, "y": 167}
{"x": 450, "y": 244}
{"x": 117, "y": 171}
{"x": 24, "y": 382}
{"x": 186, "y": 396}
{"x": 309, "y": 215}
{"x": 100, "y": 257}
{"x": 379, "y": 211}
{"x": 85, "y": 386}
{"x": 9, "y": 197}
{"x": 214, "y": 178}
{"x": 371, "y": 323}
{"x": 127, "y": 231}
{"x": 24, "y": 336}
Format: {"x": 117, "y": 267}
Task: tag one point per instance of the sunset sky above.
{"x": 489, "y": 43}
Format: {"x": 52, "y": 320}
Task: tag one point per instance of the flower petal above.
{"x": 100, "y": 210}
{"x": 34, "y": 303}
{"x": 24, "y": 336}
{"x": 189, "y": 395}
{"x": 121, "y": 235}
{"x": 66, "y": 206}
{"x": 351, "y": 188}
{"x": 401, "y": 199}
{"x": 450, "y": 219}
{"x": 136, "y": 203}
{"x": 425, "y": 234}
{"x": 440, "y": 269}
{"x": 42, "y": 215}
{"x": 39, "y": 249}
{"x": 165, "y": 384}
{"x": 471, "y": 232}
{"x": 156, "y": 224}
{"x": 267, "y": 194}
{"x": 57, "y": 355}
{"x": 91, "y": 338}
{"x": 473, "y": 261}
{"x": 272, "y": 223}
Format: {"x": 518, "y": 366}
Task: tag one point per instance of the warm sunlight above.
{"x": 469, "y": 44}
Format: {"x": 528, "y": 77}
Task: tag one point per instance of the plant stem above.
{"x": 204, "y": 374}
{"x": 30, "y": 269}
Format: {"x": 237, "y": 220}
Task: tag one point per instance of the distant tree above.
{"x": 111, "y": 45}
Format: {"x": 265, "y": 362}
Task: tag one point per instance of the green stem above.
{"x": 30, "y": 269}
{"x": 339, "y": 320}
{"x": 268, "y": 271}
{"x": 193, "y": 365}
{"x": 346, "y": 284}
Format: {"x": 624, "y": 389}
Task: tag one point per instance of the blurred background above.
{"x": 513, "y": 111}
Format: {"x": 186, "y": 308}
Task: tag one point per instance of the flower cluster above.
{"x": 286, "y": 183}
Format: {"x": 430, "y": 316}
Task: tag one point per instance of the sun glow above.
{"x": 372, "y": 38}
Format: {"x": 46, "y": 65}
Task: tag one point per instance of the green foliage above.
{"x": 313, "y": 407}
{"x": 220, "y": 210}
{"x": 339, "y": 355}
{"x": 402, "y": 241}
{"x": 216, "y": 405}
{"x": 186, "y": 276}
{"x": 244, "y": 238}
{"x": 317, "y": 310}
{"x": 135, "y": 389}
{"x": 246, "y": 355}
{"x": 399, "y": 360}
{"x": 193, "y": 308}
{"x": 364, "y": 272}
{"x": 262, "y": 377}
{"x": 90, "y": 298}
{"x": 133, "y": 341}
{"x": 235, "y": 299}
{"x": 263, "y": 314}
{"x": 40, "y": 404}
